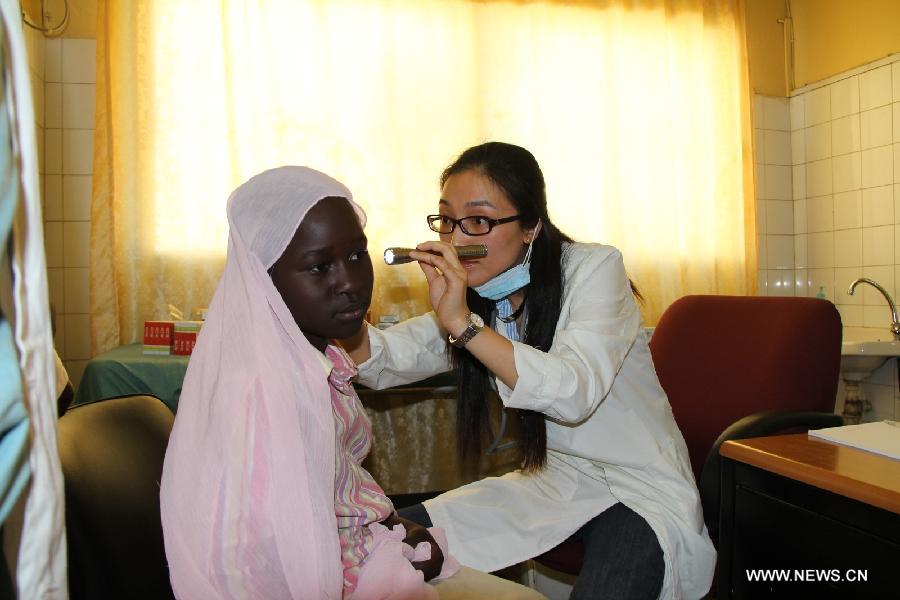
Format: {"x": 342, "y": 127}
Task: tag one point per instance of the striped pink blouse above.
{"x": 358, "y": 500}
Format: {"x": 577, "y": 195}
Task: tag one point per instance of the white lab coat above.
{"x": 611, "y": 435}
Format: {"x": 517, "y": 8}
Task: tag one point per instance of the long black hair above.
{"x": 516, "y": 172}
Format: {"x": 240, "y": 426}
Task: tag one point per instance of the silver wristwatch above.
{"x": 476, "y": 324}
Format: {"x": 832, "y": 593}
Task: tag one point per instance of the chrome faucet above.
{"x": 895, "y": 326}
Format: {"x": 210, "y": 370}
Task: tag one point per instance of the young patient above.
{"x": 263, "y": 492}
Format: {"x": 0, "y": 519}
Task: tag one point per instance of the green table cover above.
{"x": 126, "y": 370}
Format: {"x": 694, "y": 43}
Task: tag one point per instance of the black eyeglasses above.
{"x": 469, "y": 225}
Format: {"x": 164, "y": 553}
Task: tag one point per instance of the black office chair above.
{"x": 112, "y": 457}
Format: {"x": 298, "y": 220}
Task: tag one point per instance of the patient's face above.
{"x": 325, "y": 274}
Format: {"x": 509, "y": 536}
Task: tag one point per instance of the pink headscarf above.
{"x": 247, "y": 492}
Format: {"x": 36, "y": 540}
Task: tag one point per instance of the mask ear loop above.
{"x": 534, "y": 234}
{"x": 521, "y": 308}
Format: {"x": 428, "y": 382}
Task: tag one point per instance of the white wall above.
{"x": 836, "y": 146}
{"x": 69, "y": 95}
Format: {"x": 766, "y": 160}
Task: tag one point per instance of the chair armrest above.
{"x": 767, "y": 422}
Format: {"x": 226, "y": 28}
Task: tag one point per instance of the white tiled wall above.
{"x": 841, "y": 144}
{"x": 68, "y": 109}
{"x": 774, "y": 190}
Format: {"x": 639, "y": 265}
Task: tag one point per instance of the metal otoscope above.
{"x": 399, "y": 256}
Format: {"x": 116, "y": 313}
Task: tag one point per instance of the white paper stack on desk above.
{"x": 880, "y": 437}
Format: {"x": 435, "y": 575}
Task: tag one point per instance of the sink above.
{"x": 860, "y": 359}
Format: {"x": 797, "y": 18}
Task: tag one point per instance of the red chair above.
{"x": 738, "y": 367}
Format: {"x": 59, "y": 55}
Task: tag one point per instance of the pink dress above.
{"x": 358, "y": 500}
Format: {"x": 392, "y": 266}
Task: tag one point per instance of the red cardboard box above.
{"x": 185, "y": 337}
{"x": 158, "y": 333}
{"x": 183, "y": 342}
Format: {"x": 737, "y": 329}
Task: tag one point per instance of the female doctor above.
{"x": 553, "y": 326}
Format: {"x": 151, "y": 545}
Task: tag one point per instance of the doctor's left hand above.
{"x": 447, "y": 284}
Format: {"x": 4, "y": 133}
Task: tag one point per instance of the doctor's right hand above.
{"x": 447, "y": 284}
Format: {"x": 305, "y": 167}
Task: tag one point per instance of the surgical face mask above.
{"x": 509, "y": 281}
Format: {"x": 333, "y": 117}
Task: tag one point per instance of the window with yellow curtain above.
{"x": 638, "y": 113}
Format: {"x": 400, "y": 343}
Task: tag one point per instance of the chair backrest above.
{"x": 112, "y": 455}
{"x": 721, "y": 358}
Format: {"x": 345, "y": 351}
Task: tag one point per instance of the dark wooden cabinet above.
{"x": 802, "y": 518}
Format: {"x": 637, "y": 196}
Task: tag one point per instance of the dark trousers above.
{"x": 622, "y": 557}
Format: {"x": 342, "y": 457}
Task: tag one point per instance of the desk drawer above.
{"x": 772, "y": 522}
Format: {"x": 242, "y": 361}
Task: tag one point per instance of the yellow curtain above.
{"x": 637, "y": 111}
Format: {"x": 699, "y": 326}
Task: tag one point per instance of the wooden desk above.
{"x": 818, "y": 513}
